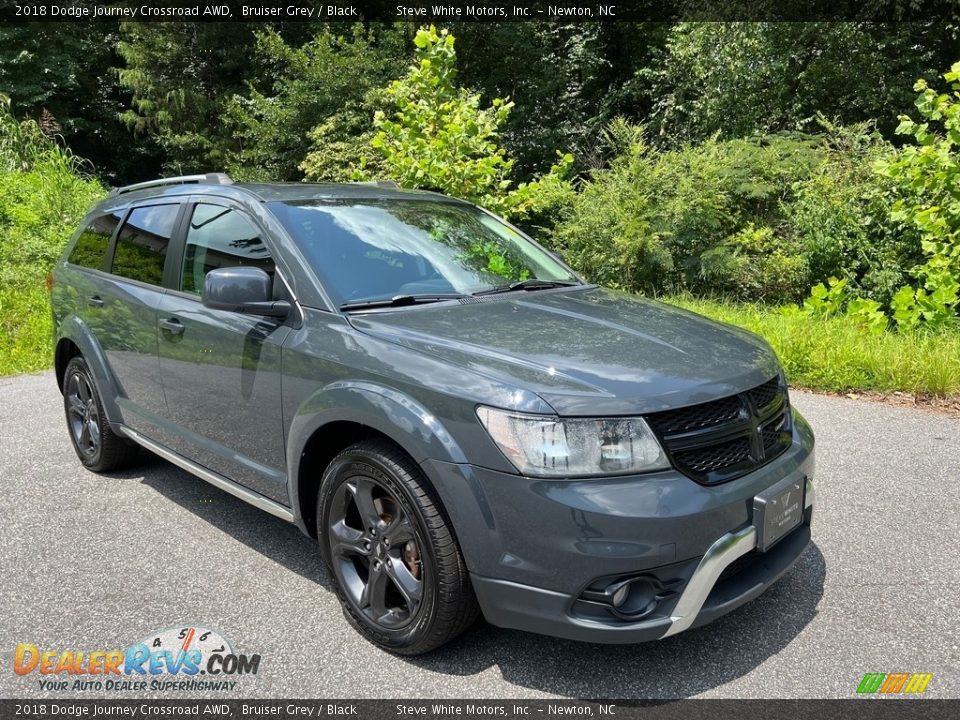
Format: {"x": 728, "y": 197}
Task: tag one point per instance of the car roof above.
{"x": 287, "y": 191}
{"x": 267, "y": 192}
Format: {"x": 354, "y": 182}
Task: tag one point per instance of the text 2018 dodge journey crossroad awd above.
{"x": 462, "y": 423}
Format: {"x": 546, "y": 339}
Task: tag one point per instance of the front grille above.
{"x": 714, "y": 457}
{"x": 772, "y": 433}
{"x": 696, "y": 417}
{"x": 723, "y": 439}
{"x": 763, "y": 395}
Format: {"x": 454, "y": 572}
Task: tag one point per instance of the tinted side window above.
{"x": 219, "y": 237}
{"x": 142, "y": 243}
{"x": 91, "y": 246}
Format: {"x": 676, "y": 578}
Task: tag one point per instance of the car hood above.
{"x": 586, "y": 351}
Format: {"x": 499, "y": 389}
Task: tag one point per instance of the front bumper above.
{"x": 522, "y": 607}
{"x": 533, "y": 546}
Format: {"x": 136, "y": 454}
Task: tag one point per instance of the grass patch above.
{"x": 26, "y": 328}
{"x": 836, "y": 354}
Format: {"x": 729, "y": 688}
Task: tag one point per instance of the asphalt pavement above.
{"x": 93, "y": 562}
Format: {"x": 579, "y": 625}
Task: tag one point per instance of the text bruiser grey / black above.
{"x": 463, "y": 423}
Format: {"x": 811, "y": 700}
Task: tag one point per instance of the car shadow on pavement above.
{"x": 687, "y": 664}
{"x": 272, "y": 537}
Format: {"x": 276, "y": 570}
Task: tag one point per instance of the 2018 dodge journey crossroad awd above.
{"x": 463, "y": 424}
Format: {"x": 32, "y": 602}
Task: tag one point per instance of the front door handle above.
{"x": 95, "y": 301}
{"x": 172, "y": 326}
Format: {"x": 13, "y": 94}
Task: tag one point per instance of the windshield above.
{"x": 369, "y": 249}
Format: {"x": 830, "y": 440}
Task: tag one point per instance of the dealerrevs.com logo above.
{"x": 188, "y": 658}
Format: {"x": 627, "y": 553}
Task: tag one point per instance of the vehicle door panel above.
{"x": 221, "y": 370}
{"x": 126, "y": 316}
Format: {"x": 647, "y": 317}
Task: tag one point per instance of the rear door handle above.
{"x": 95, "y": 301}
{"x": 172, "y": 326}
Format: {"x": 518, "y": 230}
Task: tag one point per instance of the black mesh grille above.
{"x": 714, "y": 457}
{"x": 738, "y": 565}
{"x": 772, "y": 432}
{"x": 765, "y": 394}
{"x": 697, "y": 417}
{"x": 723, "y": 439}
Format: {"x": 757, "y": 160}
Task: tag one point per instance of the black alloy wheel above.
{"x": 396, "y": 565}
{"x": 98, "y": 447}
{"x": 376, "y": 552}
{"x": 83, "y": 415}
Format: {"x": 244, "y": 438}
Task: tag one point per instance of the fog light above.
{"x": 620, "y": 596}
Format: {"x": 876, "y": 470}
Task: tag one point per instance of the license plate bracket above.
{"x": 778, "y": 510}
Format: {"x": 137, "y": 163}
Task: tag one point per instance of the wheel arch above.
{"x": 75, "y": 339}
{"x": 344, "y": 413}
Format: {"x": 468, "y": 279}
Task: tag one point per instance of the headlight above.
{"x": 550, "y": 446}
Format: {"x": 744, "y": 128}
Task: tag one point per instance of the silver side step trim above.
{"x": 215, "y": 479}
{"x": 722, "y": 553}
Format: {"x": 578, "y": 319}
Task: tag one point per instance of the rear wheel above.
{"x": 97, "y": 446}
{"x": 397, "y": 567}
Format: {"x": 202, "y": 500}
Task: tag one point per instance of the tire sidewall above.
{"x": 360, "y": 462}
{"x": 78, "y": 366}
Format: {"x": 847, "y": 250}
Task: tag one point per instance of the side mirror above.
{"x": 247, "y": 290}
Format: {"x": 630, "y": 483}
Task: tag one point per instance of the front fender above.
{"x": 108, "y": 386}
{"x": 394, "y": 414}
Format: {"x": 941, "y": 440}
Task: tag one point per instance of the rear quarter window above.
{"x": 142, "y": 243}
{"x": 91, "y": 246}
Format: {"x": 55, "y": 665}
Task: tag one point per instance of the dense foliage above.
{"x": 326, "y": 80}
{"x": 436, "y": 135}
{"x": 745, "y": 78}
{"x": 43, "y": 195}
{"x": 928, "y": 176}
{"x": 811, "y": 165}
{"x": 699, "y": 217}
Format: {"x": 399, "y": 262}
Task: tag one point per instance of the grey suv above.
{"x": 462, "y": 423}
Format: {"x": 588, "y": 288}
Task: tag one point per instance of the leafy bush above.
{"x": 839, "y": 215}
{"x": 754, "y": 263}
{"x": 928, "y": 177}
{"x": 693, "y": 218}
{"x": 341, "y": 146}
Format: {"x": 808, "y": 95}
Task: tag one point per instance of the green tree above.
{"x": 60, "y": 74}
{"x": 182, "y": 76}
{"x": 565, "y": 80}
{"x": 437, "y": 135}
{"x": 745, "y": 78}
{"x": 323, "y": 81}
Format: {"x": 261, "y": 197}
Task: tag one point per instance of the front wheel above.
{"x": 398, "y": 570}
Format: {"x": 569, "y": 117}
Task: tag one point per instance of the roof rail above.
{"x": 209, "y": 179}
{"x": 380, "y": 183}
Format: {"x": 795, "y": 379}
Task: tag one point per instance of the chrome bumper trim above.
{"x": 722, "y": 553}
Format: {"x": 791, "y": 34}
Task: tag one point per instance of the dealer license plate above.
{"x": 777, "y": 511}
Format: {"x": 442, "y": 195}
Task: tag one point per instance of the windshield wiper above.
{"x": 531, "y": 284}
{"x": 400, "y": 301}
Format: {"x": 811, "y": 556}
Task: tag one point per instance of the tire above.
{"x": 399, "y": 574}
{"x": 97, "y": 446}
